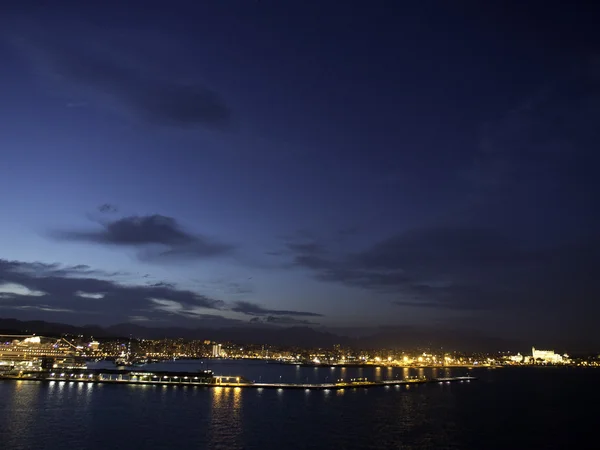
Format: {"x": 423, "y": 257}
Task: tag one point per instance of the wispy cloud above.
{"x": 43, "y": 308}
{"x": 253, "y": 309}
{"x": 169, "y": 306}
{"x": 139, "y": 319}
{"x": 92, "y": 295}
{"x": 283, "y": 320}
{"x": 107, "y": 208}
{"x": 16, "y": 289}
{"x": 544, "y": 144}
{"x": 288, "y": 321}
{"x": 109, "y": 73}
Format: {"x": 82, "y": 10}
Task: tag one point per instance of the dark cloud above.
{"x": 30, "y": 288}
{"x": 43, "y": 308}
{"x": 468, "y": 268}
{"x": 440, "y": 249}
{"x": 456, "y": 297}
{"x": 107, "y": 208}
{"x": 252, "y": 309}
{"x": 55, "y": 269}
{"x": 51, "y": 288}
{"x": 137, "y": 230}
{"x": 115, "y": 72}
{"x": 542, "y": 152}
{"x": 282, "y": 320}
{"x": 278, "y": 320}
{"x": 162, "y": 284}
{"x": 160, "y": 237}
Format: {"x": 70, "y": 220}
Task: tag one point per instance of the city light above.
{"x": 36, "y": 357}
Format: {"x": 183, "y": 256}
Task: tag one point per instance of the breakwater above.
{"x": 204, "y": 379}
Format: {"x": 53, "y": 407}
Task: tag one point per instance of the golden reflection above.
{"x": 24, "y": 401}
{"x": 218, "y": 394}
{"x": 226, "y": 417}
{"x": 237, "y": 399}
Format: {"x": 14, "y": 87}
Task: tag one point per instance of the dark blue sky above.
{"x": 216, "y": 163}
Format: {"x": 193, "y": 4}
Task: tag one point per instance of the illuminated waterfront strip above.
{"x": 194, "y": 380}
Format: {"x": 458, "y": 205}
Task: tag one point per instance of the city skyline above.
{"x": 243, "y": 165}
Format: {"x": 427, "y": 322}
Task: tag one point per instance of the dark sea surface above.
{"x": 507, "y": 408}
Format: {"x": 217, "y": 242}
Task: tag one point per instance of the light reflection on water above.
{"x": 60, "y": 415}
{"x": 294, "y": 373}
{"x": 21, "y": 402}
{"x": 31, "y": 404}
{"x": 225, "y": 418}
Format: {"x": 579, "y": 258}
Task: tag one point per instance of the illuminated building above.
{"x": 548, "y": 356}
{"x": 216, "y": 350}
{"x": 518, "y": 358}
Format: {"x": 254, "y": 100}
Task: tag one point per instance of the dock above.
{"x": 203, "y": 379}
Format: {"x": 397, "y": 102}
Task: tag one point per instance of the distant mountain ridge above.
{"x": 297, "y": 336}
{"x": 257, "y": 334}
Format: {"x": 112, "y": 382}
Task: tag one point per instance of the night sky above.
{"x": 343, "y": 166}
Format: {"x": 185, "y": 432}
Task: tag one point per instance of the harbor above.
{"x": 206, "y": 379}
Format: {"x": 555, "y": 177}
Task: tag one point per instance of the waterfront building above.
{"x": 548, "y": 356}
{"x": 216, "y": 350}
{"x": 518, "y": 358}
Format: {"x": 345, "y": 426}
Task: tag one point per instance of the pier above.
{"x": 202, "y": 379}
